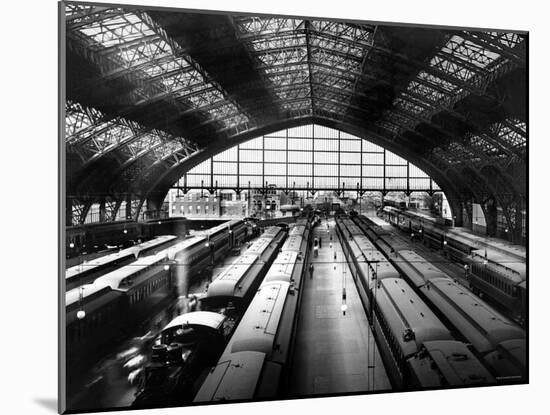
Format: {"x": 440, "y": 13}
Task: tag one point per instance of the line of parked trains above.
{"x": 95, "y": 237}
{"x": 260, "y": 295}
{"x": 495, "y": 269}
{"x": 98, "y": 313}
{"x": 463, "y": 341}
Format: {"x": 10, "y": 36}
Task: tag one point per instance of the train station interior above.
{"x": 256, "y": 207}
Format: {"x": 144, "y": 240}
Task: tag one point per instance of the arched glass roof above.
{"x": 152, "y": 93}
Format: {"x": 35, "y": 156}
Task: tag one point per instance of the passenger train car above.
{"x": 501, "y": 279}
{"x": 469, "y": 318}
{"x": 366, "y": 263}
{"x": 139, "y": 285}
{"x": 237, "y": 283}
{"x": 447, "y": 363}
{"x": 400, "y": 314}
{"x": 227, "y": 297}
{"x": 184, "y": 347}
{"x": 257, "y": 356}
{"x": 88, "y": 271}
{"x": 497, "y": 270}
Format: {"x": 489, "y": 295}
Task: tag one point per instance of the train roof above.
{"x": 352, "y": 228}
{"x": 232, "y": 280}
{"x": 297, "y": 229}
{"x": 235, "y": 377}
{"x": 197, "y": 318}
{"x": 302, "y": 222}
{"x": 420, "y": 215}
{"x": 503, "y": 263}
{"x": 405, "y": 312}
{"x": 222, "y": 226}
{"x": 259, "y": 325}
{"x": 375, "y": 260}
{"x": 117, "y": 278}
{"x": 91, "y": 306}
{"x": 418, "y": 269}
{"x": 86, "y": 266}
{"x": 271, "y": 231}
{"x": 293, "y": 243}
{"x": 478, "y": 322}
{"x": 282, "y": 267}
{"x": 449, "y": 362}
{"x": 259, "y": 245}
{"x": 72, "y": 296}
{"x": 181, "y": 246}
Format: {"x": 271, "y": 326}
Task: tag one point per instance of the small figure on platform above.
{"x": 320, "y": 242}
{"x": 311, "y": 271}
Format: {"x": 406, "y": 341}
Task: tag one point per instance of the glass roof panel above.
{"x": 513, "y": 132}
{"x": 267, "y": 25}
{"x": 137, "y": 45}
{"x": 470, "y": 52}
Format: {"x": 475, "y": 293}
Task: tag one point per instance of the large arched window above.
{"x": 309, "y": 157}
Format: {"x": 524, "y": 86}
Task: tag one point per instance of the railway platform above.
{"x": 334, "y": 352}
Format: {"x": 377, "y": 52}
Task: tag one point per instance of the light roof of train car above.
{"x": 423, "y": 268}
{"x": 183, "y": 245}
{"x": 293, "y": 242}
{"x": 403, "y": 309}
{"x": 478, "y": 322}
{"x": 258, "y": 327}
{"x": 106, "y": 259}
{"x": 457, "y": 363}
{"x": 115, "y": 278}
{"x": 237, "y": 269}
{"x": 259, "y": 245}
{"x": 221, "y": 384}
{"x": 503, "y": 259}
{"x": 197, "y": 318}
{"x": 72, "y": 296}
{"x": 282, "y": 267}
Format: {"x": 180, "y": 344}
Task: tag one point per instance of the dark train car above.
{"x": 501, "y": 278}
{"x": 96, "y": 236}
{"x": 144, "y": 283}
{"x": 186, "y": 346}
{"x": 402, "y": 323}
{"x": 478, "y": 323}
{"x": 92, "y": 321}
{"x": 88, "y": 271}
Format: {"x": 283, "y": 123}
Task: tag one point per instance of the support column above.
{"x": 128, "y": 206}
{"x": 153, "y": 210}
{"x": 102, "y": 210}
{"x": 490, "y": 211}
{"x": 457, "y": 211}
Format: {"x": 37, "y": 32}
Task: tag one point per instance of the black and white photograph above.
{"x": 270, "y": 207}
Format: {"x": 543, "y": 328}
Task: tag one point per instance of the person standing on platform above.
{"x": 311, "y": 270}
{"x": 320, "y": 242}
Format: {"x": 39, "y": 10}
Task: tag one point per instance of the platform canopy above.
{"x": 152, "y": 93}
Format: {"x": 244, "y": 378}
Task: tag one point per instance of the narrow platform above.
{"x": 335, "y": 353}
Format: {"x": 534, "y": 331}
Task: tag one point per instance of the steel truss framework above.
{"x": 152, "y": 93}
